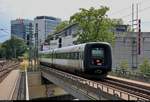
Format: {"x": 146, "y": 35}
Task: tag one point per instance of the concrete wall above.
{"x": 39, "y": 90}
{"x": 126, "y": 48}
{"x": 36, "y": 90}
{"x": 53, "y": 90}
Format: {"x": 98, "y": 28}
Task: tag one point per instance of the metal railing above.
{"x": 91, "y": 89}
{"x": 130, "y": 75}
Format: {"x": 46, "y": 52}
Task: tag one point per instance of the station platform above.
{"x": 7, "y": 86}
{"x": 128, "y": 80}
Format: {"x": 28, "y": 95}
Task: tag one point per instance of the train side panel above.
{"x": 68, "y": 65}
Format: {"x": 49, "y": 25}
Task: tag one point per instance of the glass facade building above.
{"x": 22, "y": 28}
{"x": 46, "y": 26}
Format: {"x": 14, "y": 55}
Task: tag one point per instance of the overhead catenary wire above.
{"x": 129, "y": 7}
{"x": 141, "y": 10}
{"x": 126, "y": 8}
{"x": 4, "y": 30}
{"x": 120, "y": 11}
{"x": 3, "y": 35}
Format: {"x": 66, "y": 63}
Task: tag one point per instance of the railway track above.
{"x": 122, "y": 89}
{"x": 6, "y": 68}
{"x": 136, "y": 89}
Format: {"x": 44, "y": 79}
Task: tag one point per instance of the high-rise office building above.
{"x": 45, "y": 25}
{"x": 22, "y": 28}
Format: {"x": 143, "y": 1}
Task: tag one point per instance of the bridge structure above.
{"x": 30, "y": 85}
{"x": 84, "y": 89}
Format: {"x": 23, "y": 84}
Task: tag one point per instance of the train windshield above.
{"x": 97, "y": 56}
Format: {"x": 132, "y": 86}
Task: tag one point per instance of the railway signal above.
{"x": 139, "y": 36}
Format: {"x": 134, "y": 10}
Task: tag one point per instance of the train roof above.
{"x": 47, "y": 51}
{"x": 74, "y": 48}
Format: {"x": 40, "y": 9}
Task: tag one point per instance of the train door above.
{"x": 52, "y": 57}
{"x": 81, "y": 60}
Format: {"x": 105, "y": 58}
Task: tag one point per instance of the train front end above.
{"x": 98, "y": 58}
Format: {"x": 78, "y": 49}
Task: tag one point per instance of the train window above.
{"x": 80, "y": 55}
{"x": 97, "y": 56}
{"x": 98, "y": 52}
{"x": 53, "y": 55}
{"x": 56, "y": 55}
{"x": 59, "y": 55}
{"x": 72, "y": 55}
{"x": 67, "y": 56}
{"x": 62, "y": 55}
{"x": 43, "y": 55}
{"x": 46, "y": 55}
{"x": 77, "y": 55}
{"x": 40, "y": 55}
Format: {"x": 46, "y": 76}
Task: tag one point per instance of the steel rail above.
{"x": 128, "y": 87}
{"x": 141, "y": 88}
{"x": 4, "y": 72}
{"x": 93, "y": 86}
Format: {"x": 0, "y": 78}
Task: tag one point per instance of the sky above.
{"x": 29, "y": 9}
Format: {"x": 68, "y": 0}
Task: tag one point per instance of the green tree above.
{"x": 124, "y": 65}
{"x": 61, "y": 26}
{"x": 49, "y": 37}
{"x": 145, "y": 67}
{"x": 117, "y": 21}
{"x": 14, "y": 47}
{"x": 94, "y": 25}
{"x": 2, "y": 52}
{"x": 58, "y": 28}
